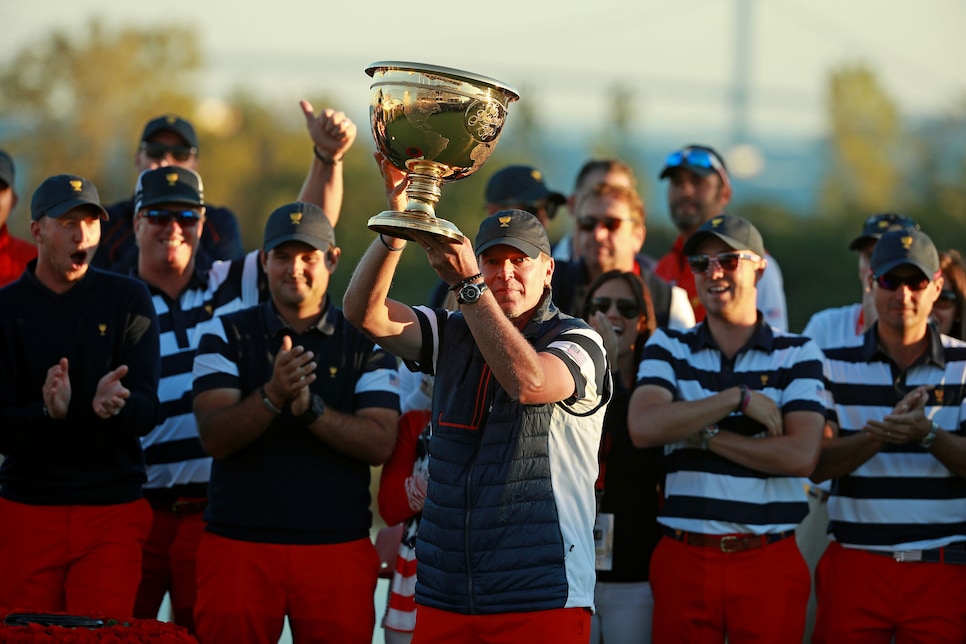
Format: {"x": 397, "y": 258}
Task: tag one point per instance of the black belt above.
{"x": 727, "y": 542}
{"x": 953, "y": 554}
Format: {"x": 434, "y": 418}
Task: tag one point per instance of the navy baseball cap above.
{"x": 7, "y": 170}
{"x": 60, "y": 194}
{"x": 877, "y": 225}
{"x": 304, "y": 222}
{"x": 520, "y": 184}
{"x": 171, "y": 184}
{"x": 171, "y": 123}
{"x": 702, "y": 160}
{"x": 737, "y": 232}
{"x": 905, "y": 246}
{"x": 516, "y": 228}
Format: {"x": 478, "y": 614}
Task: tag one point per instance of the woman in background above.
{"x": 947, "y": 312}
{"x": 619, "y": 307}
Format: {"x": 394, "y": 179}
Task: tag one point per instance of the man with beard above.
{"x": 699, "y": 189}
{"x": 611, "y": 228}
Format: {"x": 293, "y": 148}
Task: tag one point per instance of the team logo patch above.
{"x": 906, "y": 242}
{"x": 505, "y": 222}
{"x": 76, "y": 185}
{"x": 295, "y": 218}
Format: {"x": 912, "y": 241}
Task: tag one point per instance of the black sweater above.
{"x": 102, "y": 322}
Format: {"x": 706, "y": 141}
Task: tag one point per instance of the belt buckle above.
{"x": 729, "y": 539}
{"x": 903, "y": 556}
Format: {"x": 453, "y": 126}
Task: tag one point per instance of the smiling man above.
{"x": 78, "y": 385}
{"x": 738, "y": 405}
{"x": 505, "y": 545}
{"x": 897, "y": 458}
{"x": 295, "y": 405}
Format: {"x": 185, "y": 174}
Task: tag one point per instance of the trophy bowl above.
{"x": 437, "y": 125}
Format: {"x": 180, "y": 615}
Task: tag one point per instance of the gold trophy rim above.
{"x": 443, "y": 71}
{"x": 396, "y": 223}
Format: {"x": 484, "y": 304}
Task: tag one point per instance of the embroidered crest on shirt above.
{"x": 102, "y": 328}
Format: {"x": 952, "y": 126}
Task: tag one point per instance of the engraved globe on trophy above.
{"x": 437, "y": 125}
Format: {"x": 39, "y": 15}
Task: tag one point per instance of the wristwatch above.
{"x": 316, "y": 409}
{"x": 707, "y": 434}
{"x": 930, "y": 437}
{"x": 470, "y": 293}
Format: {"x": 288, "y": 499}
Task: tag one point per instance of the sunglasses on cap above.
{"x": 889, "y": 220}
{"x": 185, "y": 218}
{"x": 588, "y": 224}
{"x": 946, "y": 301}
{"x": 695, "y": 157}
{"x": 158, "y": 151}
{"x": 892, "y": 282}
{"x": 626, "y": 307}
{"x": 727, "y": 261}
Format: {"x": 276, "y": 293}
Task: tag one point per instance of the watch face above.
{"x": 470, "y": 293}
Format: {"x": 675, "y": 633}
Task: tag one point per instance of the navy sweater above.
{"x": 102, "y": 322}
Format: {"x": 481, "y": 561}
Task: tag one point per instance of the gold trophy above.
{"x": 438, "y": 125}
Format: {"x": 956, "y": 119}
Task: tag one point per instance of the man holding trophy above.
{"x": 518, "y": 404}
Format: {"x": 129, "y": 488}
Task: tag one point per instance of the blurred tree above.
{"x": 82, "y": 98}
{"x": 865, "y": 145}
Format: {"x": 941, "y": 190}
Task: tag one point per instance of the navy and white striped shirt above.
{"x": 172, "y": 450}
{"x": 704, "y": 492}
{"x": 902, "y": 498}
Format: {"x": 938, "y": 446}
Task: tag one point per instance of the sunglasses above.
{"x": 727, "y": 261}
{"x": 891, "y": 282}
{"x": 889, "y": 220}
{"x": 626, "y": 307}
{"x": 946, "y": 301}
{"x": 158, "y": 151}
{"x": 696, "y": 158}
{"x": 185, "y": 218}
{"x": 588, "y": 224}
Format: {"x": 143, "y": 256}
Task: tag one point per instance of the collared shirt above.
{"x": 708, "y": 493}
{"x": 902, "y": 498}
{"x": 175, "y": 460}
{"x": 837, "y": 327}
{"x": 288, "y": 486}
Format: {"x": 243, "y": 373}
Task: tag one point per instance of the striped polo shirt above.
{"x": 902, "y": 498}
{"x": 172, "y": 450}
{"x": 836, "y": 327}
{"x": 704, "y": 492}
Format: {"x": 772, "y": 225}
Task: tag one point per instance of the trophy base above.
{"x": 398, "y": 224}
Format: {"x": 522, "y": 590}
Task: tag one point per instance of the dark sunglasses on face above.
{"x": 947, "y": 300}
{"x": 727, "y": 261}
{"x": 158, "y": 151}
{"x": 589, "y": 224}
{"x": 185, "y": 218}
{"x": 892, "y": 282}
{"x": 626, "y": 307}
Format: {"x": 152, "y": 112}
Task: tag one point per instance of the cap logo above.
{"x": 537, "y": 176}
{"x": 295, "y": 217}
{"x": 76, "y": 185}
{"x": 505, "y": 222}
{"x": 171, "y": 119}
{"x": 716, "y": 222}
{"x": 172, "y": 178}
{"x": 906, "y": 242}
{"x": 883, "y": 223}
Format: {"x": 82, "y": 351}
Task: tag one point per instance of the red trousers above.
{"x": 867, "y": 598}
{"x": 702, "y": 594}
{"x": 246, "y": 589}
{"x": 78, "y": 559}
{"x": 169, "y": 565}
{"x": 560, "y": 626}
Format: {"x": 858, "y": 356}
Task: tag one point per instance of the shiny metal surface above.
{"x": 438, "y": 125}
